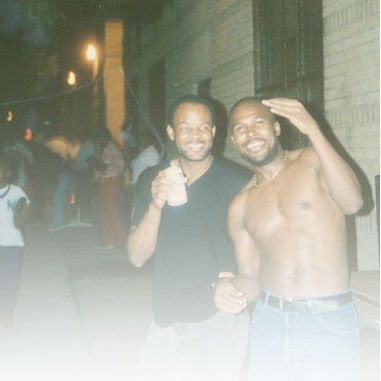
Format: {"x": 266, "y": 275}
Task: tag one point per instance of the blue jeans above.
{"x": 211, "y": 350}
{"x": 60, "y": 198}
{"x": 10, "y": 264}
{"x": 304, "y": 346}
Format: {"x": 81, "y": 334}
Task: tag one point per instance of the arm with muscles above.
{"x": 232, "y": 293}
{"x": 141, "y": 243}
{"x": 341, "y": 182}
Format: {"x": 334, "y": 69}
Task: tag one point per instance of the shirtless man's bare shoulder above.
{"x": 291, "y": 215}
{"x": 289, "y": 232}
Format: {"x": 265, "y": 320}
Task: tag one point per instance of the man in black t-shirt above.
{"x": 189, "y": 339}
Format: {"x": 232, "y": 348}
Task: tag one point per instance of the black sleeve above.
{"x": 142, "y": 194}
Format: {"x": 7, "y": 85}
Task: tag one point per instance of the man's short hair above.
{"x": 250, "y": 99}
{"x": 194, "y": 99}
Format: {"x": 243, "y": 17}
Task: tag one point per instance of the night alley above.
{"x": 81, "y": 313}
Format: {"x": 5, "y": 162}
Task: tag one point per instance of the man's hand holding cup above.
{"x": 169, "y": 187}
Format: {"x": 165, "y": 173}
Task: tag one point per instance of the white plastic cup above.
{"x": 179, "y": 195}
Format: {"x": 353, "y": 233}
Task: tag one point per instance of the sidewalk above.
{"x": 81, "y": 313}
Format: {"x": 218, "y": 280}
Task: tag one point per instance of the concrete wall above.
{"x": 351, "y": 91}
{"x": 202, "y": 39}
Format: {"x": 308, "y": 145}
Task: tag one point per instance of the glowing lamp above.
{"x": 9, "y": 116}
{"x": 71, "y": 79}
{"x": 28, "y": 134}
{"x": 91, "y": 52}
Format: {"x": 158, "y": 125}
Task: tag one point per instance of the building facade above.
{"x": 325, "y": 52}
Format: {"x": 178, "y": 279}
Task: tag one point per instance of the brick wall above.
{"x": 351, "y": 91}
{"x": 202, "y": 39}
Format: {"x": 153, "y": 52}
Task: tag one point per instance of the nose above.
{"x": 194, "y": 133}
{"x": 250, "y": 130}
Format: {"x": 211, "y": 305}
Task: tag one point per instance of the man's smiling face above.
{"x": 192, "y": 131}
{"x": 255, "y": 132}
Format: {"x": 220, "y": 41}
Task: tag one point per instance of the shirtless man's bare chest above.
{"x": 279, "y": 216}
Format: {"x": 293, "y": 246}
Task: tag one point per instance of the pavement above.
{"x": 81, "y": 313}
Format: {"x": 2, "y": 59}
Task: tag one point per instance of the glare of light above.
{"x": 91, "y": 52}
{"x": 9, "y": 116}
{"x": 71, "y": 79}
{"x": 28, "y": 134}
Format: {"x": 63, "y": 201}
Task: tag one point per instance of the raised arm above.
{"x": 233, "y": 292}
{"x": 142, "y": 240}
{"x": 341, "y": 182}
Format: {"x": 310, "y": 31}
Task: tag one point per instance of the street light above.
{"x": 91, "y": 52}
{"x": 92, "y": 55}
{"x": 71, "y": 78}
{"x": 9, "y": 116}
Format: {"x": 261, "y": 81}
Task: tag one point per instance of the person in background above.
{"x": 83, "y": 165}
{"x": 148, "y": 155}
{"x": 13, "y": 215}
{"x": 109, "y": 172}
{"x": 189, "y": 340}
{"x": 22, "y": 157}
{"x": 61, "y": 197}
{"x": 129, "y": 142}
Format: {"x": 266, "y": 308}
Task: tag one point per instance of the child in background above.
{"x": 13, "y": 213}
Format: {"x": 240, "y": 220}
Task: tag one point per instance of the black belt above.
{"x": 319, "y": 304}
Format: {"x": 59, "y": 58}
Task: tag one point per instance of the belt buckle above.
{"x": 295, "y": 305}
{"x": 284, "y": 305}
{"x": 292, "y": 305}
{"x": 301, "y": 306}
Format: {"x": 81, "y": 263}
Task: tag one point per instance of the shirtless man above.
{"x": 288, "y": 227}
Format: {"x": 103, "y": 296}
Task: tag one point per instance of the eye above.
{"x": 205, "y": 127}
{"x": 238, "y": 128}
{"x": 259, "y": 121}
{"x": 183, "y": 128}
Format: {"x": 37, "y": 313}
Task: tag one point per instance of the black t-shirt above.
{"x": 193, "y": 243}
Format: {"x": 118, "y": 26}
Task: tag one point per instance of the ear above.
{"x": 170, "y": 132}
{"x": 232, "y": 138}
{"x": 277, "y": 128}
{"x": 214, "y": 131}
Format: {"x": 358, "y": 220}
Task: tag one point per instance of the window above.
{"x": 288, "y": 56}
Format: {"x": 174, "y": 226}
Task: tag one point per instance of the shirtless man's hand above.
{"x": 294, "y": 111}
{"x": 288, "y": 226}
{"x": 227, "y": 296}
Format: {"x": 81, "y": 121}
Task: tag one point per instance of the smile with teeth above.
{"x": 195, "y": 146}
{"x": 255, "y": 145}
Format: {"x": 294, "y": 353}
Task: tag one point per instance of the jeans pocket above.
{"x": 341, "y": 321}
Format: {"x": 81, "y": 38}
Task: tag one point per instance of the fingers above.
{"x": 165, "y": 183}
{"x": 295, "y": 112}
{"x": 226, "y": 274}
{"x": 281, "y": 102}
{"x": 175, "y": 162}
{"x": 229, "y": 298}
{"x": 283, "y": 106}
{"x": 160, "y": 189}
